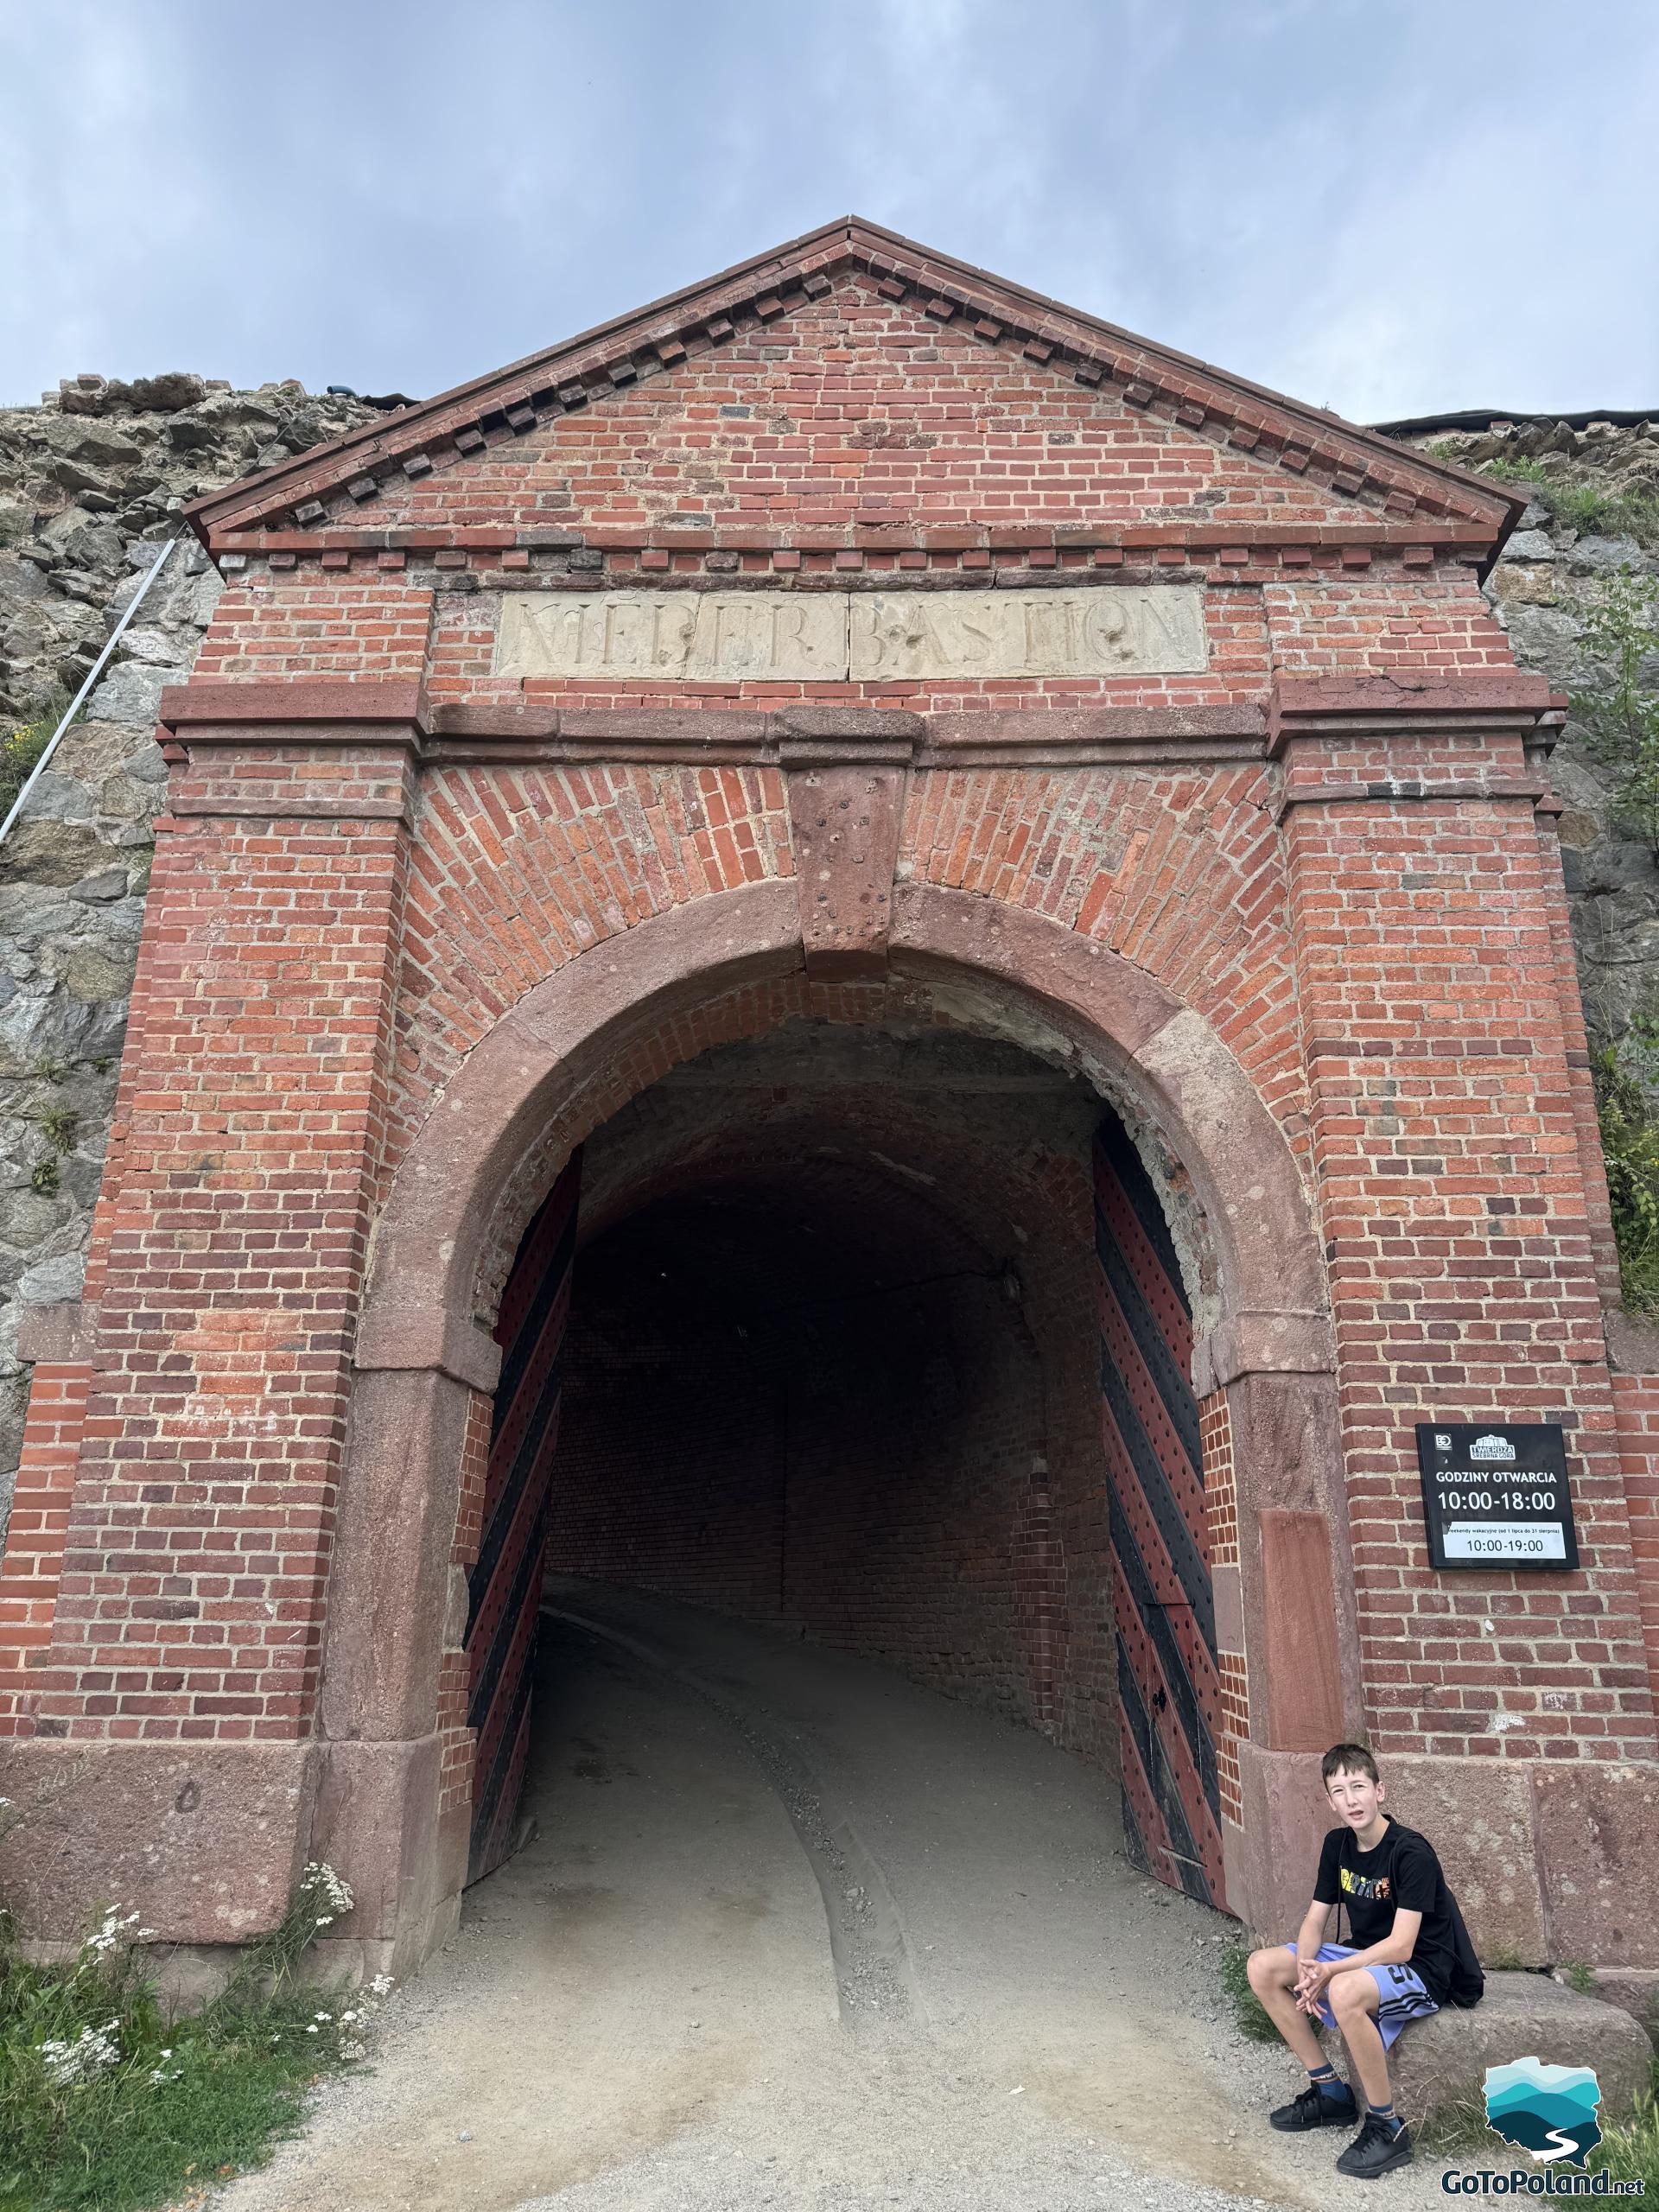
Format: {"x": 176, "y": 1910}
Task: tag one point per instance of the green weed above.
{"x": 1519, "y": 470}
{"x": 1455, "y": 2125}
{"x": 1631, "y": 2152}
{"x": 1251, "y": 2019}
{"x": 19, "y": 751}
{"x": 1588, "y": 508}
{"x": 1629, "y": 1147}
{"x": 60, "y": 1127}
{"x": 108, "y": 2104}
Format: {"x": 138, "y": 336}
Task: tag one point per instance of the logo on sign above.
{"x": 1491, "y": 1447}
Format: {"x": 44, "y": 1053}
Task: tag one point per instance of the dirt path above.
{"x": 641, "y": 2010}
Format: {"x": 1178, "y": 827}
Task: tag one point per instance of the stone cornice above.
{"x": 1282, "y": 433}
{"x": 211, "y": 712}
{"x": 1355, "y": 706}
{"x": 215, "y": 713}
{"x": 1307, "y": 707}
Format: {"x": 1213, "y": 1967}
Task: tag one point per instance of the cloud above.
{"x": 1385, "y": 205}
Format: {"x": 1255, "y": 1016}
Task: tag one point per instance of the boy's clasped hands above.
{"x": 1311, "y": 1979}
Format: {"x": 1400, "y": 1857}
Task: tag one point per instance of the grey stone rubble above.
{"x": 1538, "y": 591}
{"x": 92, "y": 483}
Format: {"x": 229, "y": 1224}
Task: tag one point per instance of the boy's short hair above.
{"x": 1348, "y": 1759}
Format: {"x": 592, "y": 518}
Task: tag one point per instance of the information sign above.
{"x": 1496, "y": 1497}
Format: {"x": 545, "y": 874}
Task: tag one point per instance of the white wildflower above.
{"x": 112, "y": 1932}
{"x": 94, "y": 2051}
{"x": 324, "y": 1886}
{"x": 381, "y": 1985}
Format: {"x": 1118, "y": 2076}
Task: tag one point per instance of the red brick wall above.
{"x": 228, "y": 1263}
{"x": 32, "y": 1566}
{"x": 1461, "y": 1252}
{"x": 856, "y": 407}
{"x": 371, "y": 627}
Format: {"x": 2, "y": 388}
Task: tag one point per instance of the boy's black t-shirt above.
{"x": 1401, "y": 1873}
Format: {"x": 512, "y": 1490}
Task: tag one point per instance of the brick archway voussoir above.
{"x": 418, "y": 1313}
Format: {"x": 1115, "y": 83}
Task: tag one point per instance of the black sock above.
{"x": 1324, "y": 2080}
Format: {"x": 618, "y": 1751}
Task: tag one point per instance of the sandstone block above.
{"x": 1635, "y": 1990}
{"x": 1444, "y": 2061}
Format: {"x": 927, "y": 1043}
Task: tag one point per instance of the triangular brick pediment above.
{"x": 441, "y": 462}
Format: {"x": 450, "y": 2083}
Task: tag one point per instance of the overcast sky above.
{"x": 1386, "y": 206}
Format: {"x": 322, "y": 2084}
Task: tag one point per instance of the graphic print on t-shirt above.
{"x": 1368, "y": 1886}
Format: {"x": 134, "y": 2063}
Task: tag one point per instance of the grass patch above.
{"x": 1589, "y": 508}
{"x": 19, "y": 751}
{"x": 1631, "y": 2152}
{"x": 1248, "y": 2014}
{"x": 107, "y": 2104}
{"x": 1457, "y": 2128}
{"x": 1630, "y": 1146}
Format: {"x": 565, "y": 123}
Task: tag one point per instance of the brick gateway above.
{"x": 1014, "y": 868}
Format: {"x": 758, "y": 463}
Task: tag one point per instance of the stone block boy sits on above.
{"x": 1409, "y": 1954}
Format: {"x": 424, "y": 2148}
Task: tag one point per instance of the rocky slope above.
{"x": 91, "y": 481}
{"x": 1595, "y": 510}
{"x": 90, "y": 485}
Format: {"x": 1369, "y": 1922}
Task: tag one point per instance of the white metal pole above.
{"x": 74, "y": 708}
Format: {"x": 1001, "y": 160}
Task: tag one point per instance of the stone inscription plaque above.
{"x": 831, "y": 637}
{"x": 1111, "y": 630}
{"x": 683, "y": 635}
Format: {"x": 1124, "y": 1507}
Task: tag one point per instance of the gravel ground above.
{"x": 795, "y": 1932}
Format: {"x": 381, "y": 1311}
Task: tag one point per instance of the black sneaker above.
{"x": 1314, "y": 2109}
{"x": 1378, "y": 2149}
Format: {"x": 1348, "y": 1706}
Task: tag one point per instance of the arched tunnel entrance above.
{"x": 884, "y": 1341}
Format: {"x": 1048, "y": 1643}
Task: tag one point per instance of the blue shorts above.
{"x": 1401, "y": 1996}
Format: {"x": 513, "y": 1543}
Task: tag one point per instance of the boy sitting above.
{"x": 1409, "y": 1953}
